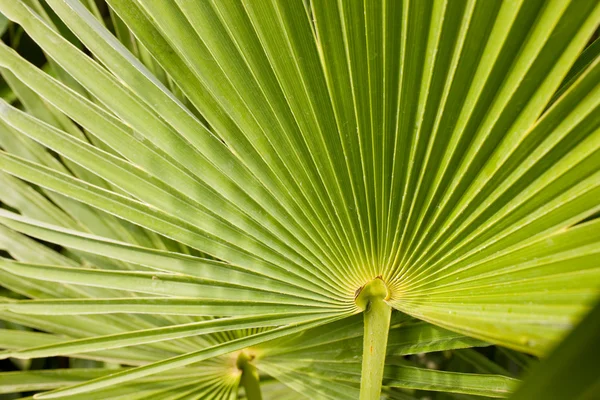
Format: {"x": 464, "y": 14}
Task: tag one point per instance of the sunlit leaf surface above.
{"x": 184, "y": 182}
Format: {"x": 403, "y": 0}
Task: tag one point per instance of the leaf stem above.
{"x": 250, "y": 378}
{"x": 377, "y": 314}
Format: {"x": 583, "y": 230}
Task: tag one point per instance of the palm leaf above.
{"x": 224, "y": 179}
{"x": 570, "y": 356}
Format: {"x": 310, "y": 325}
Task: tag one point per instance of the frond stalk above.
{"x": 377, "y": 313}
{"x": 250, "y": 378}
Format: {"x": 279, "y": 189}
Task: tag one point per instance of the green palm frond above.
{"x": 571, "y": 356}
{"x": 198, "y": 194}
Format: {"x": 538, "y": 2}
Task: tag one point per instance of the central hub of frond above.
{"x": 243, "y": 359}
{"x": 374, "y": 290}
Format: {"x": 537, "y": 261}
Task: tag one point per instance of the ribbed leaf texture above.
{"x": 185, "y": 181}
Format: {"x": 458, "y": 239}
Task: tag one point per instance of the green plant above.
{"x": 225, "y": 189}
{"x": 574, "y": 358}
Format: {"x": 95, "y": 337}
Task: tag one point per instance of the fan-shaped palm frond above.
{"x": 226, "y": 184}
